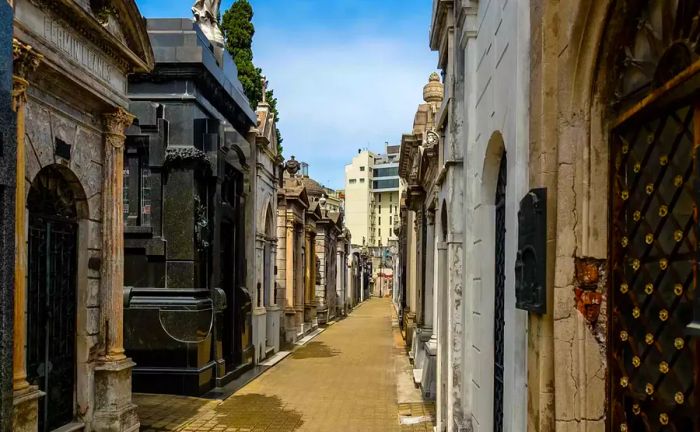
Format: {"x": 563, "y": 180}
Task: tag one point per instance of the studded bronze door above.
{"x": 654, "y": 365}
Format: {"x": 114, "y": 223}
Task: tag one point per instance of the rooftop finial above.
{"x": 433, "y": 92}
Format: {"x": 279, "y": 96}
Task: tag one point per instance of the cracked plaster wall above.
{"x": 569, "y": 156}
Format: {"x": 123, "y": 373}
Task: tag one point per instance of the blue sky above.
{"x": 348, "y": 74}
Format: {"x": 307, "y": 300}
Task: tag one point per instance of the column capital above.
{"x": 24, "y": 61}
{"x": 115, "y": 124}
{"x": 430, "y": 216}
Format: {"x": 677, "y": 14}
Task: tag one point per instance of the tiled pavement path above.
{"x": 343, "y": 380}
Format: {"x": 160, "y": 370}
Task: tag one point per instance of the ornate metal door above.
{"x": 51, "y": 298}
{"x": 654, "y": 262}
{"x": 653, "y": 363}
{"x": 499, "y": 297}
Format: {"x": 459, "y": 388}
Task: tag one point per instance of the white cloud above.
{"x": 337, "y": 95}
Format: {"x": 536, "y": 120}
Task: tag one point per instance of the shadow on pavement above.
{"x": 168, "y": 412}
{"x": 257, "y": 412}
{"x": 315, "y": 350}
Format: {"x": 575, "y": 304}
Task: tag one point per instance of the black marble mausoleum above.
{"x": 188, "y": 173}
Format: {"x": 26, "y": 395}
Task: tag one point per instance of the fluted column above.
{"x": 115, "y": 124}
{"x": 113, "y": 407}
{"x": 25, "y": 61}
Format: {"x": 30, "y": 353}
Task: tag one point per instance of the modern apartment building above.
{"x": 372, "y": 196}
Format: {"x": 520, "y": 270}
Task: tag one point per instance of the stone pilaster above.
{"x": 114, "y": 410}
{"x": 25, "y": 397}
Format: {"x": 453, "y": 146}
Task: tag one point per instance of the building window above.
{"x": 353, "y": 181}
{"x": 386, "y": 172}
{"x": 379, "y": 197}
{"x": 380, "y": 220}
{"x": 385, "y": 184}
{"x": 362, "y": 168}
{"x": 390, "y": 220}
{"x": 362, "y": 180}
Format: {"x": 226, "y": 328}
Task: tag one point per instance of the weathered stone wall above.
{"x": 488, "y": 121}
{"x": 45, "y": 122}
{"x": 569, "y": 156}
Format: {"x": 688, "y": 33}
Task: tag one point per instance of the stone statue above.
{"x": 205, "y": 14}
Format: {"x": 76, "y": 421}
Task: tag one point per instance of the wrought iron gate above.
{"x": 51, "y": 298}
{"x": 51, "y": 318}
{"x": 499, "y": 297}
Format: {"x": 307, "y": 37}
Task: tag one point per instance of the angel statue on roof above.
{"x": 205, "y": 14}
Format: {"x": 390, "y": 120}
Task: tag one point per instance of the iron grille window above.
{"x": 499, "y": 296}
{"x": 137, "y": 187}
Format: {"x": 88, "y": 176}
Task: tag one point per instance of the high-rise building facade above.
{"x": 372, "y": 196}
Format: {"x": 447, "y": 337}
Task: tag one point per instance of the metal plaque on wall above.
{"x": 531, "y": 261}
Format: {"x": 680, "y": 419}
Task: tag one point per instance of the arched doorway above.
{"x": 654, "y": 363}
{"x": 51, "y": 295}
{"x": 269, "y": 297}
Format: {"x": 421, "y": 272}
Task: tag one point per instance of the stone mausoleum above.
{"x": 71, "y": 61}
{"x": 190, "y": 213}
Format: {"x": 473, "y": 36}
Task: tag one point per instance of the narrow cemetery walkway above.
{"x": 343, "y": 380}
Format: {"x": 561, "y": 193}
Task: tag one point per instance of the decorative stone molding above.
{"x": 292, "y": 166}
{"x": 115, "y": 124}
{"x": 434, "y": 91}
{"x": 183, "y": 156}
{"x": 133, "y": 53}
{"x": 25, "y": 60}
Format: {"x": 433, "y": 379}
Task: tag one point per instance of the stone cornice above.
{"x": 207, "y": 84}
{"x": 135, "y": 58}
{"x": 406, "y": 153}
{"x": 438, "y": 28}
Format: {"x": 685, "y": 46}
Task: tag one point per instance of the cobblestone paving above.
{"x": 343, "y": 380}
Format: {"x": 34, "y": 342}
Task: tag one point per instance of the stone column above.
{"x": 114, "y": 410}
{"x": 112, "y": 273}
{"x": 25, "y": 397}
{"x": 339, "y": 281}
{"x": 289, "y": 265}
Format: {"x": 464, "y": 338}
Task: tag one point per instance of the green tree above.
{"x": 237, "y": 26}
{"x": 238, "y": 29}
